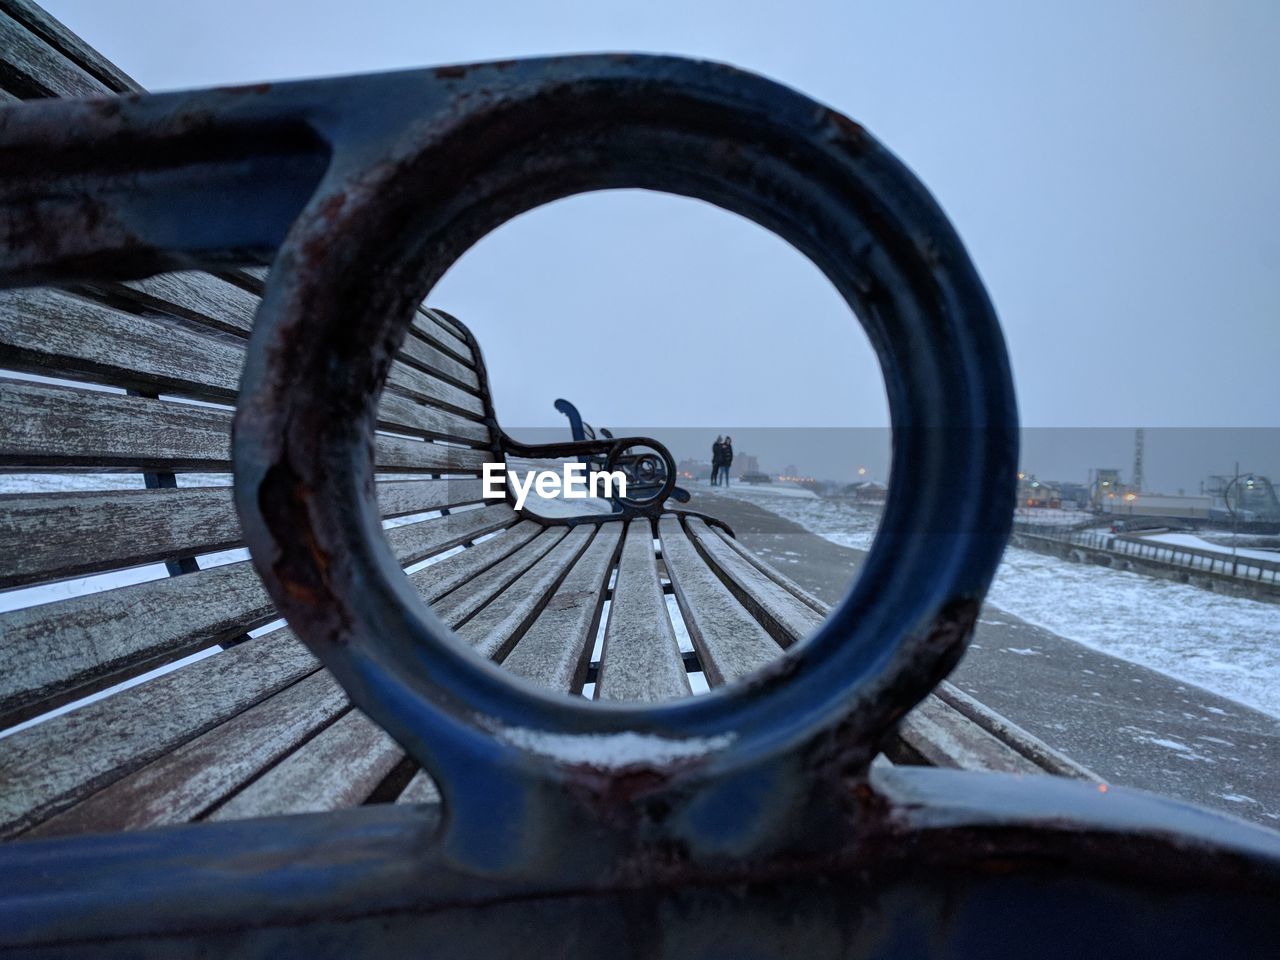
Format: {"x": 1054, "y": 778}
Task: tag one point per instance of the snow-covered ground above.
{"x": 1228, "y": 645}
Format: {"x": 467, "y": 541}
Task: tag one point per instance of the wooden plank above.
{"x": 63, "y": 427}
{"x": 181, "y": 785}
{"x": 776, "y": 609}
{"x": 554, "y": 651}
{"x": 421, "y": 789}
{"x": 31, "y": 68}
{"x": 338, "y": 768}
{"x": 49, "y": 767}
{"x": 39, "y": 22}
{"x": 57, "y": 334}
{"x": 945, "y": 738}
{"x": 417, "y": 541}
{"x": 730, "y": 641}
{"x": 428, "y": 324}
{"x": 494, "y": 630}
{"x": 397, "y": 498}
{"x": 53, "y": 535}
{"x": 430, "y": 357}
{"x": 460, "y": 604}
{"x": 48, "y": 536}
{"x": 53, "y": 333}
{"x": 66, "y": 428}
{"x": 435, "y": 581}
{"x": 793, "y": 588}
{"x": 59, "y": 651}
{"x": 419, "y": 384}
{"x": 201, "y": 297}
{"x": 641, "y": 659}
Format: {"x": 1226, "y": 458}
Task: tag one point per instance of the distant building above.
{"x": 690, "y": 469}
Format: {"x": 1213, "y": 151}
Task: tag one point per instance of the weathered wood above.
{"x": 201, "y": 297}
{"x": 417, "y": 541}
{"x": 57, "y": 334}
{"x": 54, "y": 333}
{"x": 35, "y": 19}
{"x": 641, "y": 658}
{"x": 59, "y": 651}
{"x": 554, "y": 651}
{"x": 457, "y": 606}
{"x": 777, "y": 576}
{"x": 730, "y": 642}
{"x": 422, "y": 353}
{"x": 428, "y": 324}
{"x": 945, "y": 738}
{"x": 493, "y": 630}
{"x": 778, "y": 610}
{"x": 52, "y": 535}
{"x": 417, "y": 383}
{"x": 72, "y": 429}
{"x": 434, "y": 581}
{"x": 31, "y": 68}
{"x": 421, "y": 789}
{"x": 48, "y": 767}
{"x": 185, "y": 783}
{"x": 48, "y": 536}
{"x": 339, "y": 767}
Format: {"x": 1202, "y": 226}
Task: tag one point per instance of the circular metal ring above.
{"x": 496, "y": 141}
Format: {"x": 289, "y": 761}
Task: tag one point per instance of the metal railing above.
{"x": 1248, "y": 568}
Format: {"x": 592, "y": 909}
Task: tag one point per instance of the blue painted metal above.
{"x": 745, "y": 821}
{"x": 649, "y": 485}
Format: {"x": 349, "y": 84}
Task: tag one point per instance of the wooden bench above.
{"x": 190, "y": 699}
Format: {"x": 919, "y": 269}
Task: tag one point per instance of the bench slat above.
{"x": 201, "y": 297}
{"x": 493, "y": 630}
{"x": 48, "y": 767}
{"x": 435, "y": 581}
{"x": 730, "y": 642}
{"x": 60, "y": 651}
{"x": 461, "y": 603}
{"x": 339, "y": 767}
{"x": 419, "y": 384}
{"x": 778, "y": 610}
{"x": 641, "y": 658}
{"x": 66, "y": 428}
{"x": 53, "y": 333}
{"x": 428, "y": 324}
{"x": 35, "y": 69}
{"x": 554, "y": 651}
{"x": 428, "y": 355}
{"x": 183, "y": 784}
{"x": 58, "y": 37}
{"x": 49, "y": 536}
{"x": 777, "y": 576}
{"x": 943, "y": 737}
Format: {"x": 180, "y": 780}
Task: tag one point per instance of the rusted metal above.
{"x": 745, "y": 821}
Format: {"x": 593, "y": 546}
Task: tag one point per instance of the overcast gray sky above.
{"x": 1111, "y": 166}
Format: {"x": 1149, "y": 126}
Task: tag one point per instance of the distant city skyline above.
{"x": 1175, "y": 458}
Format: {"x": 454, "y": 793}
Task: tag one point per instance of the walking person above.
{"x": 717, "y": 455}
{"x": 726, "y": 458}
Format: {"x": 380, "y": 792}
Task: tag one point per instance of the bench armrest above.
{"x": 613, "y": 449}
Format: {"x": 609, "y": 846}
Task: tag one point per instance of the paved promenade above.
{"x": 1130, "y": 724}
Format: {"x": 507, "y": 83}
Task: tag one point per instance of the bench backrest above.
{"x": 121, "y": 464}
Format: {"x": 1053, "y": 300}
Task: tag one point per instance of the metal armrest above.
{"x": 613, "y": 450}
